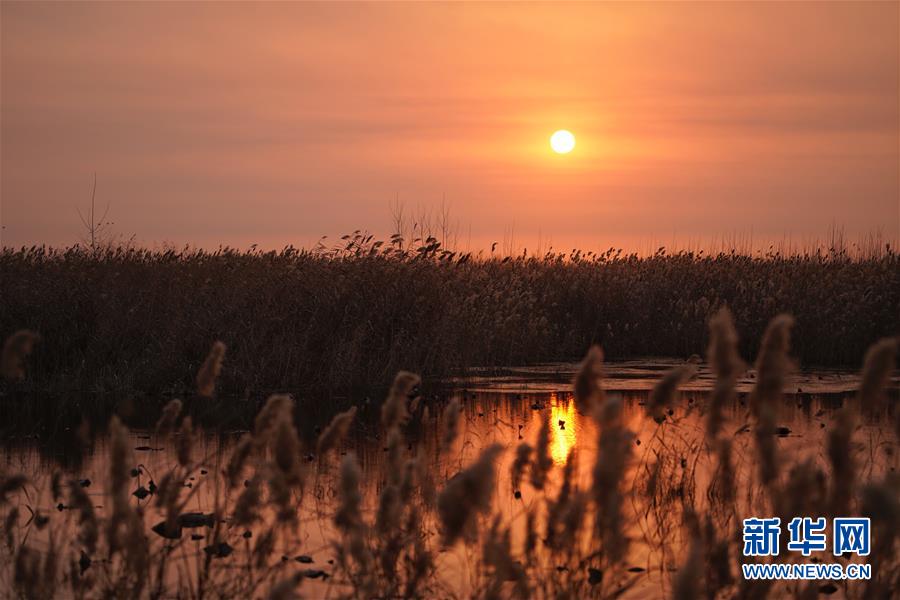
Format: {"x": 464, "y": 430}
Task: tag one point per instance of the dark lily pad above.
{"x": 196, "y": 519}
{"x": 595, "y": 576}
{"x": 169, "y": 533}
{"x": 84, "y": 563}
{"x": 314, "y": 574}
{"x": 303, "y": 558}
{"x": 636, "y": 569}
{"x": 219, "y": 550}
{"x": 141, "y": 493}
{"x": 828, "y": 589}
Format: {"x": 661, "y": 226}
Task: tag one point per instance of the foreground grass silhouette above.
{"x": 568, "y": 541}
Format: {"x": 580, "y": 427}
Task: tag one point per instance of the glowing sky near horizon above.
{"x": 278, "y": 123}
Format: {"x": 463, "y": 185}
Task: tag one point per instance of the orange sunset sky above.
{"x": 277, "y": 123}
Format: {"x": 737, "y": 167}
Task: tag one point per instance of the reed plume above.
{"x": 521, "y": 462}
{"x": 722, "y": 355}
{"x": 394, "y": 412}
{"x": 336, "y": 431}
{"x": 87, "y": 518}
{"x": 276, "y": 408}
{"x": 614, "y": 452}
{"x": 287, "y": 449}
{"x": 586, "y": 385}
{"x": 169, "y": 416}
{"x": 663, "y": 393}
{"x": 209, "y": 371}
{"x": 246, "y": 509}
{"x": 542, "y": 462}
{"x": 467, "y": 494}
{"x": 238, "y": 460}
{"x": 349, "y": 516}
{"x": 10, "y": 483}
{"x": 16, "y": 350}
{"x": 185, "y": 442}
{"x": 772, "y": 366}
{"x": 877, "y": 368}
{"x": 451, "y": 423}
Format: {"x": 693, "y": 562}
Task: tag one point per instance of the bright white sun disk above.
{"x": 562, "y": 141}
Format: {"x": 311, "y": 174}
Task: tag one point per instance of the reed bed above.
{"x": 675, "y": 501}
{"x": 338, "y": 323}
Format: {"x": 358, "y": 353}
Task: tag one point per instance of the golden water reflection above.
{"x": 564, "y": 427}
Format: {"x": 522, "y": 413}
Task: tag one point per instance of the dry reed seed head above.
{"x": 877, "y": 368}
{"x": 209, "y": 371}
{"x": 543, "y": 461}
{"x": 246, "y": 509}
{"x": 573, "y": 518}
{"x": 726, "y": 363}
{"x": 56, "y": 485}
{"x": 521, "y": 462}
{"x": 394, "y": 411}
{"x": 87, "y": 518}
{"x": 764, "y": 434}
{"x": 614, "y": 452}
{"x": 609, "y": 414}
{"x": 9, "y": 528}
{"x": 725, "y": 473}
{"x": 451, "y": 423}
{"x": 136, "y": 550}
{"x": 16, "y": 350}
{"x": 663, "y": 393}
{"x": 287, "y": 450}
{"x": 169, "y": 416}
{"x": 336, "y": 431}
{"x": 395, "y": 447}
{"x": 27, "y": 573}
{"x": 276, "y": 408}
{"x": 409, "y": 480}
{"x": 185, "y": 442}
{"x": 531, "y": 534}
{"x": 238, "y": 459}
{"x": 120, "y": 461}
{"x": 280, "y": 495}
{"x": 349, "y": 516}
{"x": 387, "y": 517}
{"x": 263, "y": 548}
{"x": 881, "y": 503}
{"x": 9, "y": 484}
{"x": 722, "y": 354}
{"x": 466, "y": 495}
{"x": 421, "y": 565}
{"x": 167, "y": 496}
{"x": 587, "y": 383}
{"x": 772, "y": 365}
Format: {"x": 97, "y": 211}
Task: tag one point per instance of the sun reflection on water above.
{"x": 564, "y": 428}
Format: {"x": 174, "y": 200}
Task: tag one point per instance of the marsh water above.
{"x": 507, "y": 408}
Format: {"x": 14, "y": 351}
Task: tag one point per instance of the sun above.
{"x": 562, "y": 141}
